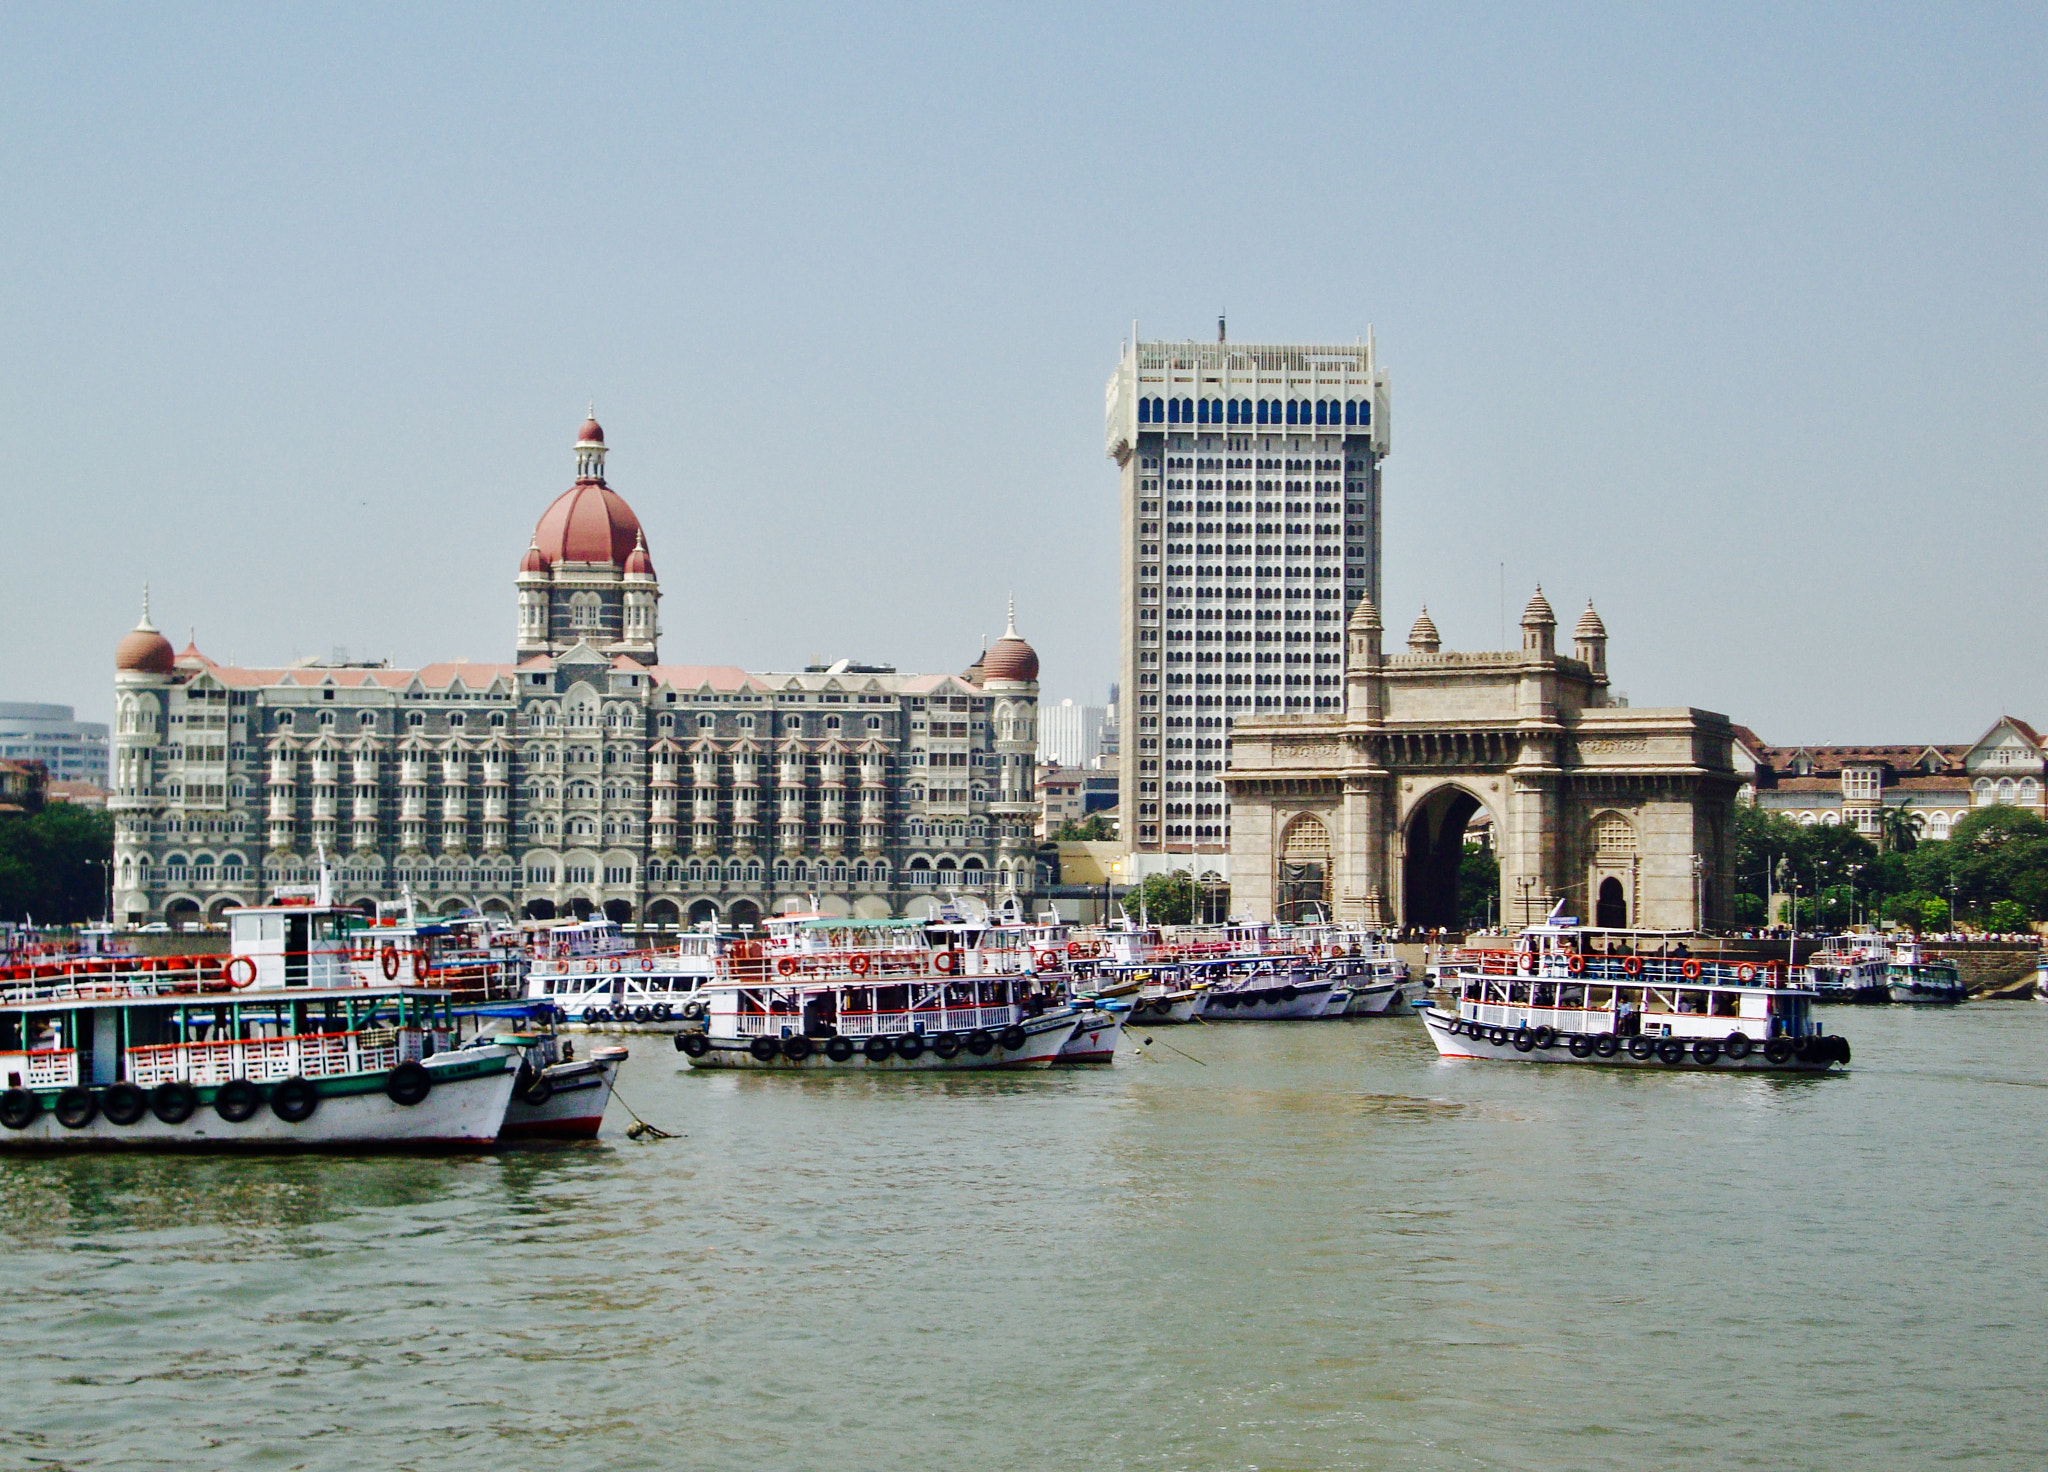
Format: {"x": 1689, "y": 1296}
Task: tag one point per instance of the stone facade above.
{"x": 585, "y": 775}
{"x": 1625, "y": 815}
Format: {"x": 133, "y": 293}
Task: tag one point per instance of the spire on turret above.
{"x": 1539, "y": 627}
{"x": 1538, "y": 611}
{"x": 1423, "y": 639}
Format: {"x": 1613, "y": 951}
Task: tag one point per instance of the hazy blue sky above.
{"x": 1730, "y": 319}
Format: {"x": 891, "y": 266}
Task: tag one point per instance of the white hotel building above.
{"x": 1251, "y": 525}
{"x": 586, "y": 774}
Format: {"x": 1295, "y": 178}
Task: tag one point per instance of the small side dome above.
{"x": 1422, "y": 639}
{"x": 1589, "y": 625}
{"x": 1538, "y": 612}
{"x": 592, "y": 433}
{"x": 638, "y": 563}
{"x": 1365, "y": 617}
{"x": 143, "y": 650}
{"x": 535, "y": 560}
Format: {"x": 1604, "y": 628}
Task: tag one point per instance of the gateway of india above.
{"x": 586, "y": 775}
{"x": 1623, "y": 815}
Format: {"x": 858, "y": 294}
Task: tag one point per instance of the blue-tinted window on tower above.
{"x": 1291, "y": 411}
{"x": 1144, "y": 411}
{"x": 1365, "y": 411}
{"x": 1173, "y": 411}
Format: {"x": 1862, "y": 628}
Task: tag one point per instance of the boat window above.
{"x": 1572, "y": 995}
{"x": 1727, "y": 1004}
{"x": 1518, "y": 992}
{"x": 1546, "y": 994}
{"x": 1692, "y": 1003}
{"x": 1659, "y": 999}
{"x": 1599, "y": 998}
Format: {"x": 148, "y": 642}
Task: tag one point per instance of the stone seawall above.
{"x": 1989, "y": 965}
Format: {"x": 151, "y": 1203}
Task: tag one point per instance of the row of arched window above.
{"x": 1328, "y": 413}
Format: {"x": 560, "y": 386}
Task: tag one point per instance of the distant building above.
{"x": 1059, "y": 798}
{"x": 21, "y": 786}
{"x": 1071, "y": 735}
{"x": 78, "y": 794}
{"x": 1853, "y": 785}
{"x": 70, "y": 749}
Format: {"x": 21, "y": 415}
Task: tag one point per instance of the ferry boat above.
{"x": 278, "y": 1045}
{"x": 1620, "y": 998}
{"x": 1268, "y": 989}
{"x": 1848, "y": 968}
{"x": 1913, "y": 977}
{"x": 598, "y": 980}
{"x": 1162, "y": 999}
{"x": 886, "y": 1019}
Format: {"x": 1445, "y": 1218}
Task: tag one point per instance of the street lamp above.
{"x": 1526, "y": 881}
{"x": 1854, "y": 870}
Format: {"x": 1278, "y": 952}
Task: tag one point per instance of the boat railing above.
{"x": 40, "y": 1068}
{"x": 1622, "y": 970}
{"x": 264, "y": 1060}
{"x": 868, "y": 1024}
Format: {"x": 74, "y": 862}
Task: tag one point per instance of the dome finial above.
{"x": 1010, "y": 628}
{"x": 146, "y": 624}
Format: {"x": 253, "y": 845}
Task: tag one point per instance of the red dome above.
{"x": 637, "y": 561}
{"x": 589, "y": 522}
{"x": 1010, "y": 658}
{"x": 592, "y": 433}
{"x": 534, "y": 560}
{"x": 145, "y": 651}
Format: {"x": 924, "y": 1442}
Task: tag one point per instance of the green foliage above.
{"x": 47, "y": 864}
{"x": 1166, "y": 899}
{"x": 2006, "y": 916}
{"x": 1898, "y": 829}
{"x": 1092, "y": 829}
{"x": 1995, "y": 854}
{"x": 1478, "y": 887}
{"x": 1771, "y": 844}
{"x": 1749, "y": 910}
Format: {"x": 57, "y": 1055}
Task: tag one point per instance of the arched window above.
{"x": 1937, "y": 825}
{"x": 2030, "y": 790}
{"x": 2008, "y": 790}
{"x": 1144, "y": 411}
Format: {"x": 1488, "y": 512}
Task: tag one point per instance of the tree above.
{"x": 1478, "y": 886}
{"x": 1092, "y": 829}
{"x": 1749, "y": 910}
{"x": 54, "y": 864}
{"x": 2008, "y": 917}
{"x": 1164, "y": 899}
{"x": 1898, "y": 830}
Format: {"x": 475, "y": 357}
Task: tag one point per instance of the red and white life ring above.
{"x": 1574, "y": 962}
{"x": 248, "y": 971}
{"x": 647, "y": 963}
{"x": 1745, "y": 972}
{"x": 389, "y": 961}
{"x": 1632, "y": 965}
{"x": 859, "y": 964}
{"x": 947, "y": 962}
{"x": 419, "y": 965}
{"x": 1045, "y": 960}
{"x": 786, "y": 966}
{"x": 1690, "y": 970}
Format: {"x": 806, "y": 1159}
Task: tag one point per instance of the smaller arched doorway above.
{"x": 540, "y": 909}
{"x": 618, "y": 911}
{"x": 1611, "y": 909}
{"x": 182, "y": 914}
{"x": 703, "y": 912}
{"x": 662, "y": 912}
{"x": 744, "y": 915}
{"x": 581, "y": 908}
{"x": 1302, "y": 890}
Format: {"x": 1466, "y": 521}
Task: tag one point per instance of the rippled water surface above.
{"x": 1319, "y": 1248}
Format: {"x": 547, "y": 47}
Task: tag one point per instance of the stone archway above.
{"x": 182, "y": 914}
{"x": 618, "y": 911}
{"x": 1302, "y": 886}
{"x": 540, "y": 909}
{"x": 1610, "y": 908}
{"x": 662, "y": 912}
{"x": 744, "y": 915}
{"x": 1433, "y": 851}
{"x": 703, "y": 912}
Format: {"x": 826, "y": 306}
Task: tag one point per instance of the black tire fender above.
{"x": 1706, "y": 1052}
{"x": 77, "y": 1107}
{"x": 877, "y": 1048}
{"x": 1606, "y": 1045}
{"x": 1524, "y": 1040}
{"x": 237, "y": 1100}
{"x": 19, "y": 1108}
{"x": 124, "y": 1104}
{"x": 1671, "y": 1052}
{"x": 1737, "y": 1046}
{"x": 1012, "y": 1038}
{"x": 294, "y": 1099}
{"x": 909, "y": 1045}
{"x": 1580, "y": 1045}
{"x": 981, "y": 1042}
{"x": 764, "y": 1049}
{"x": 840, "y": 1050}
{"x": 947, "y": 1045}
{"x": 1778, "y": 1052}
{"x": 693, "y": 1044}
{"x": 173, "y": 1102}
{"x": 408, "y": 1084}
{"x": 1641, "y": 1048}
{"x": 796, "y": 1047}
{"x": 1546, "y": 1037}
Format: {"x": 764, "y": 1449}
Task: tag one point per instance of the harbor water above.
{"x": 1319, "y": 1247}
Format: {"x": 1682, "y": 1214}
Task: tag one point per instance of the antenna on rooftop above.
{"x": 1222, "y": 334}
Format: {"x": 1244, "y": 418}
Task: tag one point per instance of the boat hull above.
{"x": 1043, "y": 1039}
{"x": 574, "y": 1107}
{"x": 1093, "y": 1040}
{"x": 465, "y": 1109}
{"x": 1460, "y": 1044}
{"x": 1927, "y": 993}
{"x": 1312, "y": 1002}
{"x": 1163, "y": 1011}
{"x": 1375, "y": 999}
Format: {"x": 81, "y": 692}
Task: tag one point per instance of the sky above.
{"x": 1728, "y": 318}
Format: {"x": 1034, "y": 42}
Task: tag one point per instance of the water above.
{"x": 1325, "y": 1249}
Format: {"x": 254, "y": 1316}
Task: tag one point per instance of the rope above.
{"x": 1147, "y": 1042}
{"x": 641, "y": 1129}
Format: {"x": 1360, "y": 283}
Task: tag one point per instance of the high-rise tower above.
{"x": 1251, "y": 526}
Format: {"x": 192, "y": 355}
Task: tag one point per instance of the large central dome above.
{"x": 589, "y": 522}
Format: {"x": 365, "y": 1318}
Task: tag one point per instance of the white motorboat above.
{"x": 1573, "y": 994}
{"x": 1913, "y": 976}
{"x": 597, "y": 980}
{"x": 279, "y": 1044}
{"x": 1094, "y": 1037}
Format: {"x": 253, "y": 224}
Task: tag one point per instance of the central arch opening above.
{"x": 1435, "y": 851}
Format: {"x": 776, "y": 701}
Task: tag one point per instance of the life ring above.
{"x": 1689, "y": 969}
{"x": 419, "y": 965}
{"x": 615, "y": 964}
{"x": 1632, "y": 965}
{"x": 946, "y": 963}
{"x": 1574, "y": 962}
{"x": 1745, "y": 972}
{"x": 228, "y": 972}
{"x": 785, "y": 966}
{"x": 389, "y": 961}
{"x": 1045, "y": 960}
{"x": 1524, "y": 960}
{"x": 1076, "y": 949}
{"x": 859, "y": 964}
{"x": 647, "y": 963}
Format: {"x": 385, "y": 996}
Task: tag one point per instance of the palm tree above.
{"x": 1898, "y": 829}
